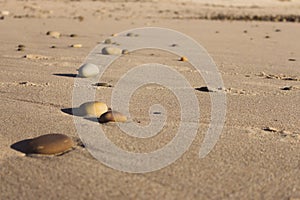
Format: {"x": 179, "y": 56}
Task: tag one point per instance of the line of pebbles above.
{"x": 57, "y": 144}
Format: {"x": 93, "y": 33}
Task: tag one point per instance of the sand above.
{"x": 258, "y": 153}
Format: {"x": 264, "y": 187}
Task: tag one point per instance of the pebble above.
{"x": 111, "y": 51}
{"x": 4, "y": 12}
{"x": 125, "y": 51}
{"x": 36, "y": 57}
{"x": 107, "y": 41}
{"x": 112, "y": 116}
{"x": 183, "y": 59}
{"x": 73, "y": 35}
{"x": 76, "y": 45}
{"x": 49, "y": 144}
{"x": 88, "y": 70}
{"x": 270, "y": 129}
{"x": 287, "y": 88}
{"x": 53, "y": 34}
{"x": 93, "y": 108}
{"x": 132, "y": 35}
{"x": 102, "y": 85}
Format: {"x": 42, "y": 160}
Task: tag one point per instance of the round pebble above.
{"x": 50, "y": 144}
{"x": 54, "y": 34}
{"x": 93, "y": 108}
{"x": 183, "y": 58}
{"x": 112, "y": 116}
{"x": 125, "y": 51}
{"x": 111, "y": 51}
{"x": 107, "y": 41}
{"x": 88, "y": 70}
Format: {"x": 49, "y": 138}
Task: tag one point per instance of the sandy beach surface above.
{"x": 256, "y": 46}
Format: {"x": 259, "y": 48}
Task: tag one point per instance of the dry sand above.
{"x": 256, "y": 59}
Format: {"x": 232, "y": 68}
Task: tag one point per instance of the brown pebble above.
{"x": 112, "y": 116}
{"x": 267, "y": 37}
{"x": 183, "y": 59}
{"x": 50, "y": 144}
{"x": 292, "y": 59}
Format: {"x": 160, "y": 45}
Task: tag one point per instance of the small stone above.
{"x": 125, "y": 51}
{"x": 4, "y": 12}
{"x": 50, "y": 144}
{"x": 35, "y": 57}
{"x": 287, "y": 88}
{"x": 112, "y": 116}
{"x": 21, "y": 46}
{"x": 76, "y": 45}
{"x": 88, "y": 70}
{"x": 107, "y": 41}
{"x": 132, "y": 35}
{"x": 183, "y": 59}
{"x": 73, "y": 35}
{"x": 277, "y": 30}
{"x": 292, "y": 59}
{"x": 53, "y": 47}
{"x": 114, "y": 34}
{"x": 267, "y": 37}
{"x": 245, "y": 31}
{"x": 102, "y": 85}
{"x": 111, "y": 51}
{"x": 93, "y": 108}
{"x": 53, "y": 34}
{"x": 204, "y": 89}
{"x": 270, "y": 129}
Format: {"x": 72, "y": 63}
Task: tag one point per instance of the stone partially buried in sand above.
{"x": 112, "y": 116}
{"x": 88, "y": 70}
{"x": 50, "y": 144}
{"x": 93, "y": 108}
{"x": 111, "y": 51}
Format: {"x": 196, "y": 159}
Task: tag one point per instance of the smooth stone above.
{"x": 111, "y": 51}
{"x": 88, "y": 70}
{"x": 54, "y": 34}
{"x": 125, "y": 51}
{"x": 73, "y": 35}
{"x": 76, "y": 45}
{"x": 50, "y": 144}
{"x": 93, "y": 108}
{"x": 107, "y": 41}
{"x": 5, "y": 12}
{"x": 112, "y": 116}
{"x": 183, "y": 59}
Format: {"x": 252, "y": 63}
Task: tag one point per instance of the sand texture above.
{"x": 256, "y": 47}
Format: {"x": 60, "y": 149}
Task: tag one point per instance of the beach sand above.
{"x": 258, "y": 153}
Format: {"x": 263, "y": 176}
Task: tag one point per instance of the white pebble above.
{"x": 4, "y": 12}
{"x": 88, "y": 70}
